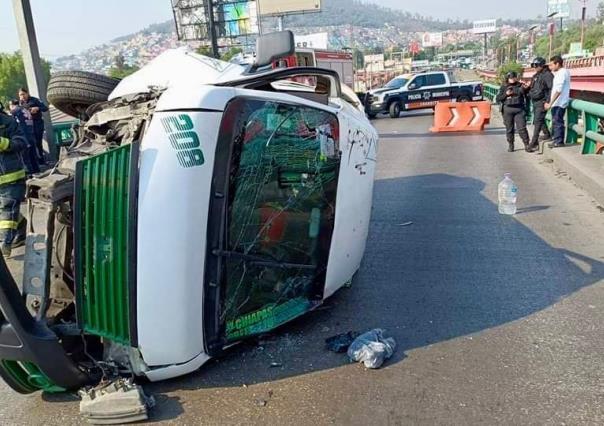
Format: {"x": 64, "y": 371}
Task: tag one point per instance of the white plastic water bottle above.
{"x": 508, "y": 195}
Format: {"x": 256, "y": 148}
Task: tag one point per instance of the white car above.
{"x": 201, "y": 204}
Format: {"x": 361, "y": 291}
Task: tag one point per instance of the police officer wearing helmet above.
{"x": 539, "y": 93}
{"x": 12, "y": 184}
{"x": 512, "y": 97}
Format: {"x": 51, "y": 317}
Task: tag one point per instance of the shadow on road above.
{"x": 461, "y": 268}
{"x": 531, "y": 209}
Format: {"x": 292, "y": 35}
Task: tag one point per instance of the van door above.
{"x": 277, "y": 169}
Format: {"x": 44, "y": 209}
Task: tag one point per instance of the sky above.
{"x": 67, "y": 27}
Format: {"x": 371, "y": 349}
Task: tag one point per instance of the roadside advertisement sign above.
{"x": 414, "y": 48}
{"x": 420, "y": 64}
{"x": 288, "y": 7}
{"x": 374, "y": 63}
{"x": 560, "y": 7}
{"x": 313, "y": 41}
{"x": 485, "y": 27}
{"x": 432, "y": 40}
{"x": 233, "y": 19}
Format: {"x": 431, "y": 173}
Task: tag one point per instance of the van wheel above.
{"x": 395, "y": 110}
{"x": 464, "y": 98}
{"x": 72, "y": 92}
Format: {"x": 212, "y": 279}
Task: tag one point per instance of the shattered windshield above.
{"x": 281, "y": 215}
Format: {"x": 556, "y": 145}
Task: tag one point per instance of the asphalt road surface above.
{"x": 498, "y": 320}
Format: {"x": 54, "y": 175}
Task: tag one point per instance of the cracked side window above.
{"x": 283, "y": 185}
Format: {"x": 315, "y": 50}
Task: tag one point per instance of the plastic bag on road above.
{"x": 372, "y": 348}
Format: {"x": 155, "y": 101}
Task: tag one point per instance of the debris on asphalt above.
{"x": 116, "y": 402}
{"x": 263, "y": 402}
{"x": 372, "y": 348}
{"x": 406, "y": 224}
{"x": 340, "y": 343}
{"x": 276, "y": 364}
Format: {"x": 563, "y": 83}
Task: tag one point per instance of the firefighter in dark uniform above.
{"x": 540, "y": 93}
{"x": 12, "y": 184}
{"x": 512, "y": 97}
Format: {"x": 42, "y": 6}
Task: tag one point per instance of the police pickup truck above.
{"x": 417, "y": 91}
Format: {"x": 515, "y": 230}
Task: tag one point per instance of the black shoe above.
{"x": 556, "y": 145}
{"x": 511, "y": 148}
{"x": 528, "y": 147}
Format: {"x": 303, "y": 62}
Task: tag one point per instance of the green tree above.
{"x": 12, "y": 74}
{"x": 205, "y": 51}
{"x": 231, "y": 53}
{"x": 121, "y": 69}
{"x": 594, "y": 37}
{"x": 506, "y": 68}
{"x": 358, "y": 58}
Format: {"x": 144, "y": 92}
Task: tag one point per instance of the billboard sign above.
{"x": 374, "y": 63}
{"x": 560, "y": 7}
{"x": 432, "y": 40}
{"x": 414, "y": 48}
{"x": 313, "y": 41}
{"x": 233, "y": 19}
{"x": 237, "y": 19}
{"x": 485, "y": 27}
{"x": 288, "y": 7}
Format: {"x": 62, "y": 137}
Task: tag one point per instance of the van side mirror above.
{"x": 413, "y": 86}
{"x": 270, "y": 47}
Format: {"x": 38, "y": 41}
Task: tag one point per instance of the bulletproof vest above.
{"x": 517, "y": 99}
{"x": 539, "y": 90}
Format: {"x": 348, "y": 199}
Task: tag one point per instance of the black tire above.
{"x": 14, "y": 384}
{"x": 72, "y": 92}
{"x": 395, "y": 110}
{"x": 464, "y": 98}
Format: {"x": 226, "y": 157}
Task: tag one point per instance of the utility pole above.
{"x": 36, "y": 82}
{"x": 212, "y": 28}
{"x": 583, "y": 16}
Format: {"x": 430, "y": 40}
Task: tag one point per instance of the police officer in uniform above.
{"x": 36, "y": 108}
{"x": 512, "y": 97}
{"x": 12, "y": 184}
{"x": 539, "y": 93}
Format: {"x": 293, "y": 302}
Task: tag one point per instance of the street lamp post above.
{"x": 550, "y": 29}
{"x": 531, "y": 32}
{"x": 583, "y": 16}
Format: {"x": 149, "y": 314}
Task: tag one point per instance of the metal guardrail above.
{"x": 584, "y": 122}
{"x": 490, "y": 91}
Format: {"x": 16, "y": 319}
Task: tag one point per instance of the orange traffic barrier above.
{"x": 461, "y": 116}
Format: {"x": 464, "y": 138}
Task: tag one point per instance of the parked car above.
{"x": 416, "y": 91}
{"x": 202, "y": 203}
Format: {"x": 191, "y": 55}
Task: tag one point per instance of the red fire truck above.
{"x": 339, "y": 61}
